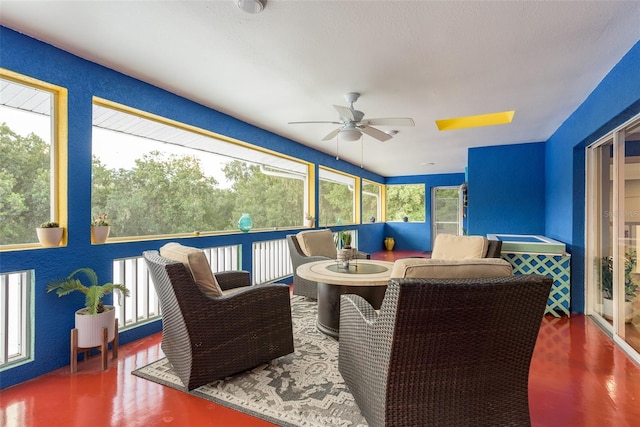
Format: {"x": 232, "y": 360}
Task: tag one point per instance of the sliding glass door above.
{"x": 613, "y": 234}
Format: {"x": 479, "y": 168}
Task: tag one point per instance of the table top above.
{"x": 356, "y": 275}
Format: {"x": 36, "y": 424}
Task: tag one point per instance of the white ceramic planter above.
{"x": 607, "y": 310}
{"x": 100, "y": 233}
{"x": 50, "y": 237}
{"x": 90, "y": 326}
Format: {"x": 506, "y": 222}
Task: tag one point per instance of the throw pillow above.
{"x": 317, "y": 243}
{"x": 196, "y": 262}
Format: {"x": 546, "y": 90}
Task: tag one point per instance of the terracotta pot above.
{"x": 50, "y": 237}
{"x": 100, "y": 233}
{"x": 90, "y": 326}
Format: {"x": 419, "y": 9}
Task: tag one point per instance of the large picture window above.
{"x": 153, "y": 176}
{"x": 337, "y": 195}
{"x": 32, "y": 157}
{"x": 405, "y": 201}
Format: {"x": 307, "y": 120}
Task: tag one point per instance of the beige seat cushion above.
{"x": 196, "y": 262}
{"x": 449, "y": 246}
{"x": 450, "y": 269}
{"x": 317, "y": 243}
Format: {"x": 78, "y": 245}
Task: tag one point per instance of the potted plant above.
{"x": 309, "y": 220}
{"x": 50, "y": 234}
{"x": 630, "y": 285}
{"x": 345, "y": 251}
{"x": 100, "y": 228}
{"x": 344, "y": 237}
{"x": 95, "y": 316}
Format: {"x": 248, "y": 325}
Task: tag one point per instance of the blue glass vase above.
{"x": 245, "y": 222}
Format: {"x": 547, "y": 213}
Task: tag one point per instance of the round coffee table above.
{"x": 364, "y": 277}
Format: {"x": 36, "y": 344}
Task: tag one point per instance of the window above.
{"x": 405, "y": 201}
{"x": 446, "y": 211}
{"x": 153, "y": 176}
{"x": 32, "y": 157}
{"x": 371, "y": 201}
{"x": 15, "y": 322}
{"x": 337, "y": 195}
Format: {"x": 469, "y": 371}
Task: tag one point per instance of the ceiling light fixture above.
{"x": 251, "y": 6}
{"x": 350, "y": 133}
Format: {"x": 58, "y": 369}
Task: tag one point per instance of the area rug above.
{"x": 300, "y": 389}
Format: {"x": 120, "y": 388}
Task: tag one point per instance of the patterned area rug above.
{"x": 300, "y": 389}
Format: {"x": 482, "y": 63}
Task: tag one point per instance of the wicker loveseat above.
{"x": 443, "y": 352}
{"x": 209, "y": 337}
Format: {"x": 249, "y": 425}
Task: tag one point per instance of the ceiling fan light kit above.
{"x": 491, "y": 119}
{"x": 353, "y": 124}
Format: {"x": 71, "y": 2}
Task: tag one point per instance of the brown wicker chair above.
{"x": 304, "y": 287}
{"x": 443, "y": 352}
{"x": 207, "y": 338}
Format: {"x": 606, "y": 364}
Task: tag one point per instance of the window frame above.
{"x": 58, "y": 211}
{"x": 380, "y": 217}
{"x": 356, "y": 218}
{"x": 305, "y": 167}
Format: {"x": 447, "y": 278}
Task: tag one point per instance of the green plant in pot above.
{"x": 50, "y": 234}
{"x": 344, "y": 238}
{"x": 100, "y": 227}
{"x": 95, "y": 316}
{"x": 630, "y": 284}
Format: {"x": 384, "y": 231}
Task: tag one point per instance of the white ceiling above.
{"x": 422, "y": 59}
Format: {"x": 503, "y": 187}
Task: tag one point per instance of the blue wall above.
{"x": 615, "y": 100}
{"x": 417, "y": 235}
{"x": 506, "y": 189}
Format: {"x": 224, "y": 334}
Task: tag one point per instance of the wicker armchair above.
{"x": 443, "y": 352}
{"x": 303, "y": 287}
{"x": 207, "y": 338}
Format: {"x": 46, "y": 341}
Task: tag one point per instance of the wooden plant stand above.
{"x": 103, "y": 347}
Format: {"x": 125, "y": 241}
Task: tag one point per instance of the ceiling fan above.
{"x": 353, "y": 124}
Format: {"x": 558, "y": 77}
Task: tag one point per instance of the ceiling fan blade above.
{"x": 390, "y": 121}
{"x": 331, "y": 135}
{"x": 375, "y": 133}
{"x": 302, "y": 123}
{"x": 344, "y": 112}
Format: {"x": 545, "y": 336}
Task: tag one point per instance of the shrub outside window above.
{"x": 405, "y": 201}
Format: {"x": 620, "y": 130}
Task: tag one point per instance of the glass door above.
{"x": 626, "y": 295}
{"x": 613, "y": 235}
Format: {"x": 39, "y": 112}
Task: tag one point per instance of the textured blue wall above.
{"x": 506, "y": 189}
{"x": 83, "y": 79}
{"x": 417, "y": 235}
{"x": 615, "y": 100}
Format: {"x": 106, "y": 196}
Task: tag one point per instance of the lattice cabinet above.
{"x": 556, "y": 266}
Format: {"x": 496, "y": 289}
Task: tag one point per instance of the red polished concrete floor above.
{"x": 578, "y": 378}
